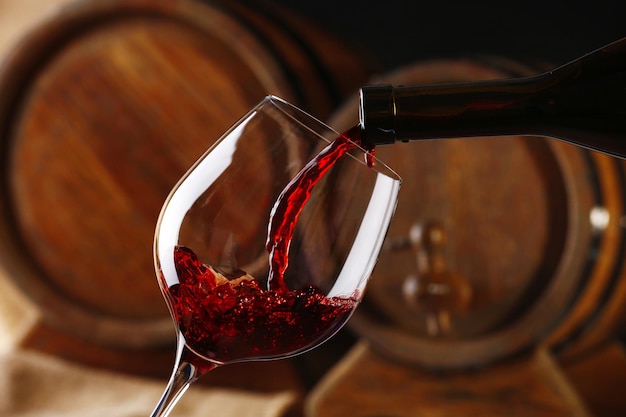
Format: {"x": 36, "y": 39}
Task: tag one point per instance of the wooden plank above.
{"x": 600, "y": 380}
{"x": 365, "y": 384}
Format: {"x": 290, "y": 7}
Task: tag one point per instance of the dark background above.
{"x": 396, "y": 32}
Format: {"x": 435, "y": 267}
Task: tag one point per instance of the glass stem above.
{"x": 185, "y": 372}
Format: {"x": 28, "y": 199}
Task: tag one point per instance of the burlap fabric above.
{"x": 36, "y": 385}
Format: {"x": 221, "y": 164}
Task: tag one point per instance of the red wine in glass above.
{"x": 228, "y": 320}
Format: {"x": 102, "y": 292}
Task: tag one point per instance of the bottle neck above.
{"x": 583, "y": 102}
{"x": 487, "y": 108}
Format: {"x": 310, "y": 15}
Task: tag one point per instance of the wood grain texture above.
{"x": 104, "y": 107}
{"x": 599, "y": 380}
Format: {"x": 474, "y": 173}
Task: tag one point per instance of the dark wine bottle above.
{"x": 582, "y": 102}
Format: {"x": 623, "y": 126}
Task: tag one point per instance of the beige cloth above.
{"x": 17, "y": 17}
{"x": 36, "y": 385}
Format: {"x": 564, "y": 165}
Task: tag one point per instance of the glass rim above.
{"x": 281, "y": 104}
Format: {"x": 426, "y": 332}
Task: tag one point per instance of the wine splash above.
{"x": 227, "y": 320}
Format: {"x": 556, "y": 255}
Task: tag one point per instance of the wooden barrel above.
{"x": 498, "y": 246}
{"x": 102, "y": 108}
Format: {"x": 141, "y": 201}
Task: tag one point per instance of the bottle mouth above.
{"x": 377, "y": 112}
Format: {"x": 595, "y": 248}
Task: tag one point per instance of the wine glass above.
{"x": 264, "y": 247}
